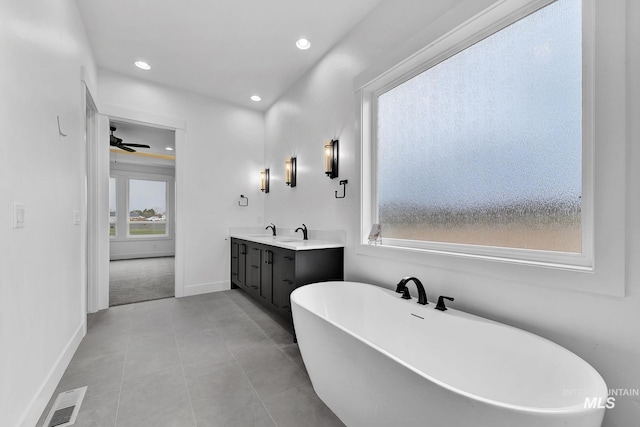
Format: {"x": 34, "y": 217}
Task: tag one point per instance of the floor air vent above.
{"x": 65, "y": 409}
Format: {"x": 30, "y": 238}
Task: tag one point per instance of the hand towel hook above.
{"x": 344, "y": 183}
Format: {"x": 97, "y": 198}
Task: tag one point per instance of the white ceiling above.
{"x": 227, "y": 49}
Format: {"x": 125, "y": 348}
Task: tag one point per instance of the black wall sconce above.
{"x": 290, "y": 166}
{"x": 264, "y": 180}
{"x": 331, "y": 158}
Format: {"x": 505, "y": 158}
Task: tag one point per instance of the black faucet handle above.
{"x": 405, "y": 293}
{"x": 440, "y": 306}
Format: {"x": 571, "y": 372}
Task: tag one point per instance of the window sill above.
{"x": 138, "y": 238}
{"x": 496, "y": 255}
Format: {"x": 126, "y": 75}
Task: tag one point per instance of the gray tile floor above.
{"x": 209, "y": 360}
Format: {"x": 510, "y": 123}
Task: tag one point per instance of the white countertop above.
{"x": 288, "y": 242}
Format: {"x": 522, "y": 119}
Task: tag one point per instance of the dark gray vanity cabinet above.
{"x": 238, "y": 262}
{"x": 266, "y": 276}
{"x": 252, "y": 276}
{"x": 271, "y": 273}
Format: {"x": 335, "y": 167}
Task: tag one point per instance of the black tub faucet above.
{"x": 402, "y": 288}
{"x": 304, "y": 232}
{"x": 440, "y": 306}
{"x": 272, "y": 227}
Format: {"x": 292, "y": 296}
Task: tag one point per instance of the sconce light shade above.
{"x": 331, "y": 158}
{"x": 290, "y": 171}
{"x": 264, "y": 180}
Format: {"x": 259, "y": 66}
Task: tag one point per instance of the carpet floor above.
{"x": 136, "y": 280}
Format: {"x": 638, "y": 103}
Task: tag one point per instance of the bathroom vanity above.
{"x": 269, "y": 268}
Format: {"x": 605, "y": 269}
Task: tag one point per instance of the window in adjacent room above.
{"x": 147, "y": 208}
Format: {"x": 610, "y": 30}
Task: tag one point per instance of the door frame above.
{"x": 101, "y": 175}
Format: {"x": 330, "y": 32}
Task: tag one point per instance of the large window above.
{"x": 140, "y": 205}
{"x": 485, "y": 147}
{"x": 147, "y": 208}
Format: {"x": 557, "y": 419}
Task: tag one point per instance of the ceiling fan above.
{"x": 114, "y": 141}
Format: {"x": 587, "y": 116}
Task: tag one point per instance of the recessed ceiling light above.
{"x": 256, "y": 98}
{"x": 303, "y": 44}
{"x": 142, "y": 65}
{"x": 169, "y": 149}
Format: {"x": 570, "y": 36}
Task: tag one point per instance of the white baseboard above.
{"x": 41, "y": 399}
{"x": 138, "y": 255}
{"x": 205, "y": 288}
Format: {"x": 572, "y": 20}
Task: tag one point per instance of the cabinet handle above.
{"x": 290, "y": 258}
{"x": 234, "y": 274}
{"x": 287, "y": 281}
{"x": 255, "y": 266}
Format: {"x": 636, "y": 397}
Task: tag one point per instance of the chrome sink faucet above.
{"x": 304, "y": 232}
{"x": 402, "y": 288}
{"x": 272, "y": 227}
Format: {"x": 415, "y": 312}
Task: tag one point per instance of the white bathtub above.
{"x": 378, "y": 360}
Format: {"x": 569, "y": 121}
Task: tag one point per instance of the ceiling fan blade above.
{"x": 122, "y": 147}
{"x": 136, "y": 145}
{"x": 114, "y": 140}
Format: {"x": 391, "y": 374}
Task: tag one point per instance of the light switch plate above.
{"x": 18, "y": 215}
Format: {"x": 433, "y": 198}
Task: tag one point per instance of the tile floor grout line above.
{"x": 124, "y": 367}
{"x": 279, "y": 349}
{"x": 184, "y": 376}
{"x": 274, "y": 343}
{"x": 242, "y": 369}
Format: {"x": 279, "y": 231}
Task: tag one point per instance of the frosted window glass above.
{"x": 485, "y": 148}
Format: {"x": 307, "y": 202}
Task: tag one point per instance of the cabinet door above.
{"x": 242, "y": 264}
{"x": 266, "y": 275}
{"x": 283, "y": 280}
{"x": 234, "y": 262}
{"x": 254, "y": 259}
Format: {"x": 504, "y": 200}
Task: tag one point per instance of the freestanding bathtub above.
{"x": 378, "y": 360}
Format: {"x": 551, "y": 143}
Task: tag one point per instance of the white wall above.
{"x": 322, "y": 105}
{"x": 42, "y": 266}
{"x": 221, "y": 158}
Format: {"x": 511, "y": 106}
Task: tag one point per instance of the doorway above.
{"x": 141, "y": 213}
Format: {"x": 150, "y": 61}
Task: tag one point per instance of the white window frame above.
{"x": 602, "y": 267}
{"x": 115, "y": 224}
{"x": 168, "y": 180}
{"x": 122, "y": 195}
